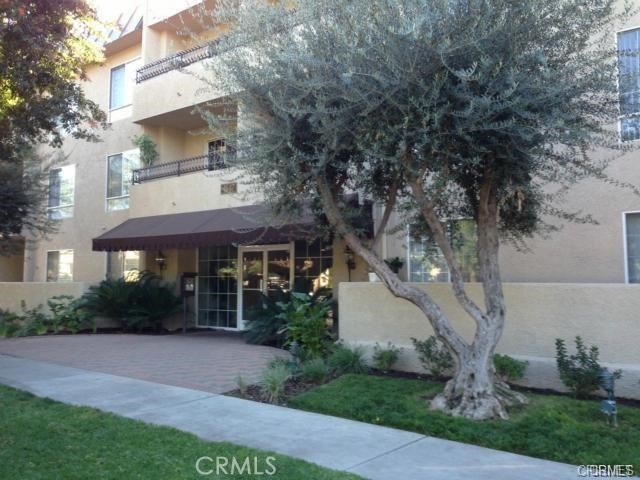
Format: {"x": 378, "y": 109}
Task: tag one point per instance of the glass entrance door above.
{"x": 265, "y": 270}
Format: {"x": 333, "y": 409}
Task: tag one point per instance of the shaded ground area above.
{"x": 208, "y": 361}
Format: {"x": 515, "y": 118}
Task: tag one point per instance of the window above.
{"x": 632, "y": 244}
{"x": 61, "y": 189}
{"x": 312, "y": 265}
{"x": 218, "y": 151}
{"x": 123, "y": 79}
{"x": 119, "y": 172}
{"x": 426, "y": 262}
{"x": 60, "y": 266}
{"x": 123, "y": 265}
{"x": 218, "y": 287}
{"x": 629, "y": 84}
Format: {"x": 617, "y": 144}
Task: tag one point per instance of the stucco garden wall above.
{"x": 35, "y": 293}
{"x": 604, "y": 314}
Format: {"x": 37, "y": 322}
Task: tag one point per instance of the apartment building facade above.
{"x": 188, "y": 213}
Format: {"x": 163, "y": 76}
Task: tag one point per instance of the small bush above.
{"x": 345, "y": 359}
{"x": 142, "y": 302}
{"x": 264, "y": 324}
{"x": 434, "y": 356}
{"x": 242, "y": 385}
{"x": 580, "y": 372}
{"x": 273, "y": 381}
{"x": 306, "y": 323}
{"x": 314, "y": 371}
{"x": 69, "y": 314}
{"x": 278, "y": 361}
{"x": 385, "y": 358}
{"x": 509, "y": 369}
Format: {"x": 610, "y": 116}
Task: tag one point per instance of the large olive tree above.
{"x": 434, "y": 108}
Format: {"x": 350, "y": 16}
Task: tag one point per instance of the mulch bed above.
{"x": 292, "y": 387}
{"x": 295, "y": 386}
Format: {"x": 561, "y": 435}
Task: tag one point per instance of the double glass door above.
{"x": 265, "y": 270}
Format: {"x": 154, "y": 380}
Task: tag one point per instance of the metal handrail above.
{"x": 212, "y": 161}
{"x": 174, "y": 62}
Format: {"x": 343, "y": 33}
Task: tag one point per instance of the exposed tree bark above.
{"x": 473, "y": 392}
{"x": 388, "y": 209}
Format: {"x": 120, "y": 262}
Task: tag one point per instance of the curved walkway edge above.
{"x": 371, "y": 451}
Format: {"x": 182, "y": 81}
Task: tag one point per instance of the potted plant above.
{"x": 148, "y": 152}
{"x": 395, "y": 264}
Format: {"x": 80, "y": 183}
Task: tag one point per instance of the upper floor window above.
{"x": 426, "y": 262}
{"x": 122, "y": 81}
{"x": 60, "y": 266}
{"x": 632, "y": 244}
{"x": 119, "y": 177}
{"x": 629, "y": 84}
{"x": 218, "y": 151}
{"x": 61, "y": 191}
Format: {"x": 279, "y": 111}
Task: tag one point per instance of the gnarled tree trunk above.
{"x": 473, "y": 392}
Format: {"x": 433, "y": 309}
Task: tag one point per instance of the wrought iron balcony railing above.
{"x": 180, "y": 167}
{"x": 175, "y": 61}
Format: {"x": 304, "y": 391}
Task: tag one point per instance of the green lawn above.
{"x": 43, "y": 439}
{"x": 552, "y": 427}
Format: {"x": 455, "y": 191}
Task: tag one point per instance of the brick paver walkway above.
{"x": 208, "y": 361}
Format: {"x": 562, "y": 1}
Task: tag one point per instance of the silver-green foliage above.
{"x": 385, "y": 358}
{"x": 434, "y": 356}
{"x": 314, "y": 370}
{"x": 273, "y": 382}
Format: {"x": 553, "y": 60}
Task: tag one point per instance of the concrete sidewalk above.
{"x": 368, "y": 450}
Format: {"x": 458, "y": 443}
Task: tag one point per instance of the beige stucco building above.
{"x": 117, "y": 214}
{"x": 188, "y": 213}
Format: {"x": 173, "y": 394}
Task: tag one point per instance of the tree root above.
{"x": 478, "y": 405}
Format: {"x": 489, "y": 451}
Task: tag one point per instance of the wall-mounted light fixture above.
{"x": 350, "y": 260}
{"x": 161, "y": 260}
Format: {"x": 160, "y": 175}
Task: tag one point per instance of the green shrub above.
{"x": 385, "y": 358}
{"x": 69, "y": 314}
{"x": 434, "y": 356}
{"x": 148, "y": 151}
{"x": 143, "y": 302}
{"x": 273, "y": 382}
{"x": 509, "y": 369}
{"x": 314, "y": 370}
{"x": 305, "y": 320}
{"x": 264, "y": 324}
{"x": 580, "y": 372}
{"x": 345, "y": 359}
{"x": 277, "y": 362}
{"x": 153, "y": 301}
{"x": 8, "y": 323}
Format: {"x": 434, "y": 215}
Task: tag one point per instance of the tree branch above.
{"x": 428, "y": 210}
{"x": 390, "y": 205}
{"x": 440, "y": 323}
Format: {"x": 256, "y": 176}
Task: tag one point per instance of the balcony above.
{"x": 175, "y": 62}
{"x": 200, "y": 163}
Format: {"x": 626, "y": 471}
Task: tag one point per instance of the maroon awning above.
{"x": 242, "y": 225}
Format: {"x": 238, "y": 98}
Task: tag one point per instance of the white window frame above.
{"x": 408, "y": 261}
{"x": 46, "y": 265}
{"x": 64, "y": 205}
{"x": 408, "y": 256}
{"x": 620, "y": 116}
{"x": 624, "y": 243}
{"x": 106, "y": 187}
{"x": 122, "y": 111}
